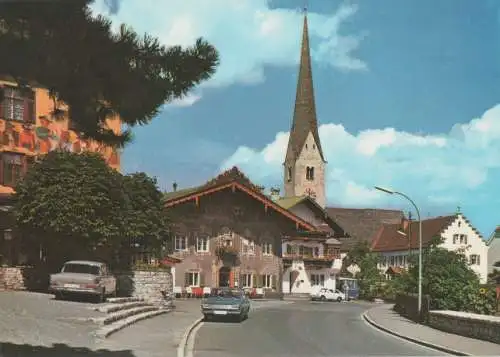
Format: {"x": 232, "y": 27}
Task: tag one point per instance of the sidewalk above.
{"x": 156, "y": 337}
{"x": 383, "y": 318}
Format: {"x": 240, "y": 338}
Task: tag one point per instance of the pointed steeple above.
{"x": 304, "y": 115}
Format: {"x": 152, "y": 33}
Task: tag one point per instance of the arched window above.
{"x": 309, "y": 173}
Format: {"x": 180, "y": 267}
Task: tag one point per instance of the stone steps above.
{"x": 107, "y": 330}
{"x": 121, "y": 300}
{"x": 114, "y": 307}
{"x": 122, "y": 312}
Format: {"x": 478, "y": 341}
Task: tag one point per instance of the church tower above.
{"x": 304, "y": 166}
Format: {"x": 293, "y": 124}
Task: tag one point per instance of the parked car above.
{"x": 325, "y": 294}
{"x": 226, "y": 302}
{"x": 83, "y": 277}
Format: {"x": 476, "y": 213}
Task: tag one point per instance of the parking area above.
{"x": 39, "y": 319}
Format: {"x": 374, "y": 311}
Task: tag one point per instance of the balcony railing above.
{"x": 297, "y": 256}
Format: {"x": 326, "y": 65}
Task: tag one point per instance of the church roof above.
{"x": 304, "y": 115}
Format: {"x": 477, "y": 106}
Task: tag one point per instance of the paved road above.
{"x": 39, "y": 320}
{"x": 301, "y": 329}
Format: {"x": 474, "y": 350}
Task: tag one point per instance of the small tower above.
{"x": 304, "y": 166}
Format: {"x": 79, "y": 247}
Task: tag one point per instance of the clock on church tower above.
{"x": 310, "y": 192}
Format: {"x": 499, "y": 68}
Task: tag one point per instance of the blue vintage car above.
{"x": 226, "y": 302}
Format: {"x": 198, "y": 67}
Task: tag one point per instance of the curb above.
{"x": 108, "y": 330}
{"x": 181, "y": 349}
{"x": 411, "y": 339}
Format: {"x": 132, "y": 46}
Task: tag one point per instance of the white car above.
{"x": 325, "y": 294}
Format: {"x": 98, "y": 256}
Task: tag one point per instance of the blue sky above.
{"x": 407, "y": 95}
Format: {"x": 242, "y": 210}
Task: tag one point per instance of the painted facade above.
{"x": 27, "y": 128}
{"x": 228, "y": 233}
{"x": 394, "y": 246}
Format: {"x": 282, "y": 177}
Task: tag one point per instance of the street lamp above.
{"x": 391, "y": 192}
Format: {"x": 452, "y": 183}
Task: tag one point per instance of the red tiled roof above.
{"x": 389, "y": 239}
{"x": 394, "y": 270}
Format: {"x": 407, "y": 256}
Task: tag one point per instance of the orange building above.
{"x": 27, "y": 129}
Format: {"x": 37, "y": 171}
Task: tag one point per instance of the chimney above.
{"x": 275, "y": 193}
{"x": 174, "y": 186}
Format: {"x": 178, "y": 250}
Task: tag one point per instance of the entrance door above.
{"x": 224, "y": 276}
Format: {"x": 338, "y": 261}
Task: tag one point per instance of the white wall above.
{"x": 475, "y": 245}
{"x": 493, "y": 255}
{"x": 303, "y": 284}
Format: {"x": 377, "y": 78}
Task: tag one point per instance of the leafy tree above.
{"x": 147, "y": 226}
{"x": 355, "y": 255}
{"x": 70, "y": 204}
{"x": 449, "y": 281}
{"x": 98, "y": 73}
{"x": 369, "y": 277}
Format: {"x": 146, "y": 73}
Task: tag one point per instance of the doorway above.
{"x": 224, "y": 276}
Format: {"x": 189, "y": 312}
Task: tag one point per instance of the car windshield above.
{"x": 81, "y": 269}
{"x": 228, "y": 293}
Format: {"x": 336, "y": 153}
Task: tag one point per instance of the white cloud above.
{"x": 247, "y": 33}
{"x": 185, "y": 101}
{"x": 436, "y": 170}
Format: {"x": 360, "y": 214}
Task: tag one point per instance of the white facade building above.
{"x": 396, "y": 242}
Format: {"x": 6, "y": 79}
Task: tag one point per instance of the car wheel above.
{"x": 322, "y": 298}
{"x": 339, "y": 299}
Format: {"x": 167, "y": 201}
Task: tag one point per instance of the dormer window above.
{"x": 309, "y": 173}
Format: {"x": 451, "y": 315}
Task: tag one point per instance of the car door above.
{"x": 331, "y": 294}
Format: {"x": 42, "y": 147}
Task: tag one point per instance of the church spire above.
{"x": 304, "y": 115}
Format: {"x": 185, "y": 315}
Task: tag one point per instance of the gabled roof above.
{"x": 494, "y": 235}
{"x": 231, "y": 179}
{"x": 361, "y": 224}
{"x": 394, "y": 270}
{"x": 304, "y": 115}
{"x": 392, "y": 237}
{"x": 291, "y": 202}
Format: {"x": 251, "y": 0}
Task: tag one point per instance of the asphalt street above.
{"x": 302, "y": 329}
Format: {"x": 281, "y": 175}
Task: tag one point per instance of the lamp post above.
{"x": 391, "y": 192}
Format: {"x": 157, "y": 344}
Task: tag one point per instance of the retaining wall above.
{"x": 483, "y": 327}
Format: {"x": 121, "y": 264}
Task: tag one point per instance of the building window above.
{"x": 314, "y": 146}
{"x": 246, "y": 280}
{"x": 267, "y": 249}
{"x": 248, "y": 248}
{"x": 317, "y": 280}
{"x": 267, "y": 281}
{"x": 463, "y": 239}
{"x": 474, "y": 259}
{"x": 455, "y": 238}
{"x": 392, "y": 260}
{"x": 202, "y": 244}
{"x": 18, "y": 106}
{"x": 309, "y": 173}
{"x": 192, "y": 279}
{"x": 181, "y": 243}
{"x": 12, "y": 168}
{"x": 289, "y": 174}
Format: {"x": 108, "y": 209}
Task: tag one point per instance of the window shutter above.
{"x": 29, "y": 110}
{"x": 186, "y": 280}
{"x": 202, "y": 279}
{"x": 273, "y": 281}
